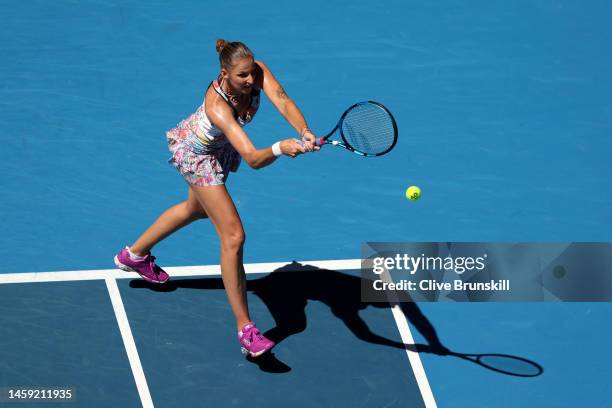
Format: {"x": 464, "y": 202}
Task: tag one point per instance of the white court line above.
{"x": 406, "y": 334}
{"x": 174, "y": 271}
{"x": 128, "y": 342}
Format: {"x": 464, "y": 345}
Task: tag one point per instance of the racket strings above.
{"x": 369, "y": 129}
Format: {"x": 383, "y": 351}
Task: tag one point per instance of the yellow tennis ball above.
{"x": 413, "y": 193}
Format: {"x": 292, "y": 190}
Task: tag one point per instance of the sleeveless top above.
{"x": 203, "y": 137}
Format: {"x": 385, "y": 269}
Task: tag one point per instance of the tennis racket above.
{"x": 366, "y": 128}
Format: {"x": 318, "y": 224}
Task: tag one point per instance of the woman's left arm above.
{"x": 285, "y": 105}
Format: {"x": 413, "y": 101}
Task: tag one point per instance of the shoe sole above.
{"x": 257, "y": 354}
{"x": 128, "y": 269}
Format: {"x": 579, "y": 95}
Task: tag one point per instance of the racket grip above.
{"x": 320, "y": 141}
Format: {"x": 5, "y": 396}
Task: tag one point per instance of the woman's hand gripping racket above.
{"x": 366, "y": 128}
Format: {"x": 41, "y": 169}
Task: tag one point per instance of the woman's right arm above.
{"x": 222, "y": 117}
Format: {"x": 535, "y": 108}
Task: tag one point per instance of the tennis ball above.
{"x": 413, "y": 193}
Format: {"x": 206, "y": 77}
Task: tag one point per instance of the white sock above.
{"x": 135, "y": 257}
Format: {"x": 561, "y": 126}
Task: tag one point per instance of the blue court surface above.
{"x": 504, "y": 110}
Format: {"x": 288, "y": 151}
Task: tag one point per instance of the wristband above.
{"x": 276, "y": 150}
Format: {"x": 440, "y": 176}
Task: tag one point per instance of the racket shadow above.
{"x": 500, "y": 363}
{"x": 286, "y": 292}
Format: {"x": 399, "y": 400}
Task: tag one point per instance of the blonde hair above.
{"x": 229, "y": 51}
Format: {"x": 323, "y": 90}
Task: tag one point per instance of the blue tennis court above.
{"x": 504, "y": 118}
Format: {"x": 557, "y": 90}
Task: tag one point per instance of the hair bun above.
{"x": 221, "y": 44}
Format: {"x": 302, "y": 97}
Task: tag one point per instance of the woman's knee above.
{"x": 233, "y": 239}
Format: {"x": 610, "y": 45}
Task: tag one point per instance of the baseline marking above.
{"x": 174, "y": 271}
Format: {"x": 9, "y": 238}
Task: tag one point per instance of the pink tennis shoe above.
{"x": 145, "y": 267}
{"x": 252, "y": 342}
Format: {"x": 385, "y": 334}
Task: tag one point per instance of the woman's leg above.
{"x": 173, "y": 219}
{"x": 219, "y": 206}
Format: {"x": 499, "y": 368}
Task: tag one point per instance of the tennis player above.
{"x": 205, "y": 148}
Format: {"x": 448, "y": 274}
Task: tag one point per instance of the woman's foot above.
{"x": 144, "y": 266}
{"x": 252, "y": 342}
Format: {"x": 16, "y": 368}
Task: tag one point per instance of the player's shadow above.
{"x": 287, "y": 290}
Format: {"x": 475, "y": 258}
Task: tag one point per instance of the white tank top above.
{"x": 203, "y": 136}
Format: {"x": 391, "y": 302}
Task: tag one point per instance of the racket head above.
{"x": 368, "y": 128}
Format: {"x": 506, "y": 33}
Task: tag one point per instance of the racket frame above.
{"x": 345, "y": 144}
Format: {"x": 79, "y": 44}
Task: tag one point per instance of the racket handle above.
{"x": 318, "y": 142}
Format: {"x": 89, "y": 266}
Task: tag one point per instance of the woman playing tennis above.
{"x": 207, "y": 146}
